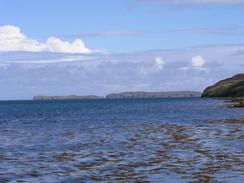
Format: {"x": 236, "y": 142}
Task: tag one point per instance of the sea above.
{"x": 121, "y": 140}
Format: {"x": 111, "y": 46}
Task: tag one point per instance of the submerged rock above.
{"x": 236, "y": 102}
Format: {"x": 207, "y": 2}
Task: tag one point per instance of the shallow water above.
{"x": 146, "y": 140}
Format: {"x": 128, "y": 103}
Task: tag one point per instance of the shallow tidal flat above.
{"x": 114, "y": 150}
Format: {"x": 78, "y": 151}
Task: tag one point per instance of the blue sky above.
{"x": 159, "y": 24}
{"x": 117, "y": 45}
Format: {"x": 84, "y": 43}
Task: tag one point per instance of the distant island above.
{"x": 69, "y": 97}
{"x": 124, "y": 95}
{"x": 141, "y": 94}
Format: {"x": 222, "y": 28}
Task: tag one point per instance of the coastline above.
{"x": 125, "y": 95}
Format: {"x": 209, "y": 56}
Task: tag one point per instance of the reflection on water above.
{"x": 82, "y": 148}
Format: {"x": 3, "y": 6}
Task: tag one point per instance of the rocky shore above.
{"x": 236, "y": 102}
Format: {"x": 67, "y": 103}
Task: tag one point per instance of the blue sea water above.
{"x": 144, "y": 140}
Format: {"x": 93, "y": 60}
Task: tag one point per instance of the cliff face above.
{"x": 153, "y": 95}
{"x": 230, "y": 87}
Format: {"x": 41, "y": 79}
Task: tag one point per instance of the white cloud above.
{"x": 184, "y": 68}
{"x": 56, "y": 73}
{"x": 12, "y": 39}
{"x": 76, "y": 58}
{"x": 158, "y": 64}
{"x": 197, "y": 61}
{"x": 56, "y": 45}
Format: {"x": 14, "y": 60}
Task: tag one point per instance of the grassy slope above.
{"x": 232, "y": 87}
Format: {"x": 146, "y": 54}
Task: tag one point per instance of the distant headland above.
{"x": 125, "y": 95}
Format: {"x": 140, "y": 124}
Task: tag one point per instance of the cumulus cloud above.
{"x": 197, "y": 2}
{"x": 54, "y": 44}
{"x": 197, "y": 61}
{"x": 159, "y": 63}
{"x": 12, "y": 39}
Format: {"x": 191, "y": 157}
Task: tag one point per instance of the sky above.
{"x": 99, "y": 47}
